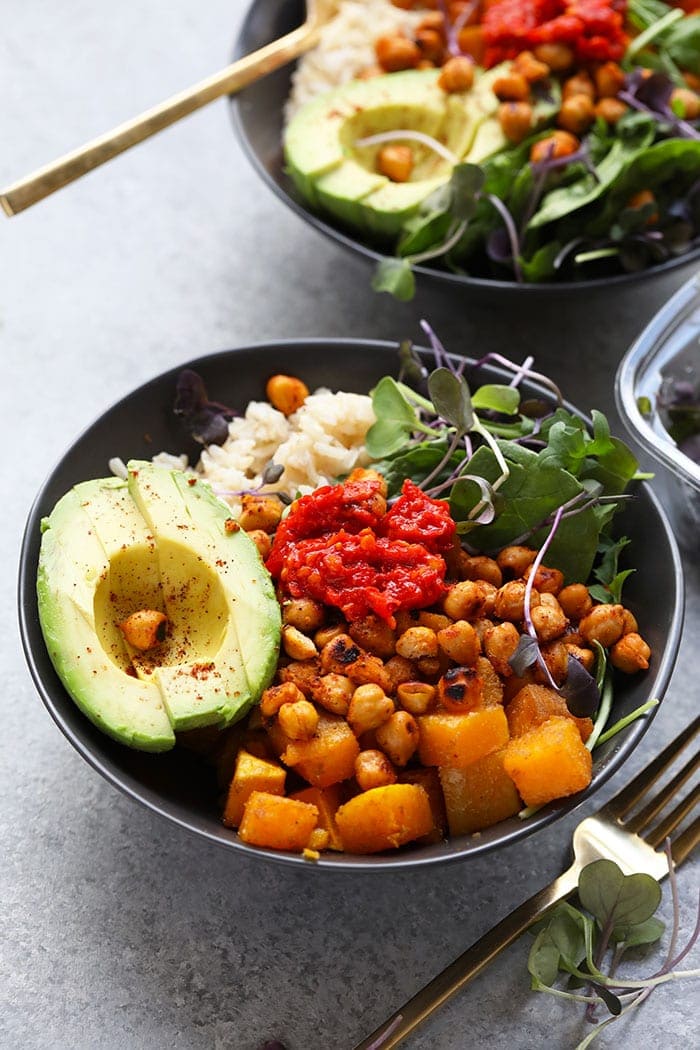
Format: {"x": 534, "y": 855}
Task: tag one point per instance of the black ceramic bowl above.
{"x": 175, "y": 784}
{"x": 258, "y": 119}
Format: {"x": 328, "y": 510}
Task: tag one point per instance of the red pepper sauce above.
{"x": 593, "y": 29}
{"x": 340, "y": 546}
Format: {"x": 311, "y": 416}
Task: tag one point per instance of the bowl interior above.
{"x": 257, "y": 114}
{"x": 176, "y": 784}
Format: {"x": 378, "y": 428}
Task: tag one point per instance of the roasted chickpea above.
{"x": 395, "y": 161}
{"x": 286, "y": 393}
{"x": 416, "y": 643}
{"x": 530, "y": 67}
{"x": 298, "y": 720}
{"x": 499, "y": 645}
{"x": 304, "y": 614}
{"x": 275, "y": 696}
{"x": 457, "y": 74}
{"x": 604, "y": 624}
{"x": 461, "y": 689}
{"x": 558, "y": 144}
{"x": 515, "y": 119}
{"x": 609, "y": 79}
{"x": 610, "y": 109}
{"x": 373, "y": 769}
{"x": 369, "y": 708}
{"x": 556, "y": 658}
{"x": 578, "y": 84}
{"x": 430, "y": 42}
{"x": 395, "y": 53}
{"x": 399, "y": 670}
{"x": 629, "y": 622}
{"x": 375, "y": 635}
{"x": 575, "y": 601}
{"x": 511, "y": 87}
{"x": 630, "y": 654}
{"x": 471, "y": 42}
{"x": 479, "y": 567}
{"x": 260, "y": 512}
{"x": 546, "y": 581}
{"x": 509, "y": 603}
{"x": 416, "y": 697}
{"x": 692, "y": 80}
{"x": 434, "y": 20}
{"x": 326, "y": 634}
{"x": 549, "y": 621}
{"x": 302, "y": 673}
{"x": 469, "y": 599}
{"x": 398, "y": 737}
{"x": 296, "y": 645}
{"x": 262, "y": 541}
{"x": 559, "y": 57}
{"x": 145, "y": 629}
{"x": 576, "y": 115}
{"x": 515, "y": 560}
{"x": 460, "y": 642}
{"x": 584, "y": 656}
{"x": 334, "y": 692}
{"x": 429, "y": 667}
{"x": 368, "y": 474}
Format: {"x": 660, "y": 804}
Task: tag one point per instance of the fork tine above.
{"x": 622, "y": 803}
{"x": 686, "y": 842}
{"x": 643, "y": 819}
{"x": 671, "y": 822}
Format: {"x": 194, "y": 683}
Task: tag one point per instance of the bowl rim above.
{"x": 426, "y": 273}
{"x": 152, "y": 800}
{"x": 637, "y": 360}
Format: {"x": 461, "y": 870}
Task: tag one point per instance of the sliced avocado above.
{"x": 338, "y": 176}
{"x": 109, "y": 549}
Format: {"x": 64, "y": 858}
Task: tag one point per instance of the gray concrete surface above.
{"x": 119, "y": 931}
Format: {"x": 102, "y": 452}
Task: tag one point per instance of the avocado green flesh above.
{"x": 339, "y": 177}
{"x": 110, "y": 549}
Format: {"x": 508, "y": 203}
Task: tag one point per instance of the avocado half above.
{"x": 157, "y": 541}
{"x": 337, "y": 176}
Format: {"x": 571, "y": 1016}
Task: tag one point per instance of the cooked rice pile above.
{"x": 320, "y": 442}
{"x": 346, "y": 47}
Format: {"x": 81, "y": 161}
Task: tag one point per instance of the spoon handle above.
{"x": 71, "y": 166}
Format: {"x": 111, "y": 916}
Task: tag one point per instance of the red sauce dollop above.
{"x": 594, "y": 29}
{"x": 341, "y": 546}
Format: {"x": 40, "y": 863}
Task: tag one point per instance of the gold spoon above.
{"x": 72, "y": 165}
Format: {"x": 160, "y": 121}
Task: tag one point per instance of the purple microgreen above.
{"x": 439, "y": 352}
{"x": 580, "y": 690}
{"x": 452, "y": 399}
{"x": 454, "y": 27}
{"x": 272, "y": 473}
{"x": 207, "y": 421}
{"x": 522, "y": 372}
{"x": 412, "y": 136}
{"x": 411, "y": 368}
{"x": 525, "y": 655}
{"x": 512, "y": 232}
{"x": 528, "y": 596}
{"x": 568, "y": 248}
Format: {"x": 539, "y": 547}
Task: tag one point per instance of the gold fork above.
{"x": 614, "y": 833}
{"x": 59, "y": 173}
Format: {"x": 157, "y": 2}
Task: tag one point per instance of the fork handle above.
{"x": 71, "y": 166}
{"x": 469, "y": 964}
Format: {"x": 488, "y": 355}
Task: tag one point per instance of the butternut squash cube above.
{"x": 277, "y": 822}
{"x": 251, "y": 774}
{"x": 548, "y": 762}
{"x": 328, "y": 756}
{"x": 534, "y": 704}
{"x": 458, "y": 740}
{"x": 478, "y": 795}
{"x": 326, "y": 800}
{"x": 429, "y": 780}
{"x": 384, "y": 818}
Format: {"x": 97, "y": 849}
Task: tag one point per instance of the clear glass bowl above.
{"x": 668, "y": 351}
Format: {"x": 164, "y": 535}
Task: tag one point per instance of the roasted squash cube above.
{"x": 548, "y": 762}
{"x": 458, "y": 740}
{"x": 384, "y": 818}
{"x": 326, "y": 800}
{"x": 478, "y": 795}
{"x": 534, "y": 704}
{"x": 277, "y": 822}
{"x": 251, "y": 774}
{"x": 328, "y": 756}
{"x": 429, "y": 780}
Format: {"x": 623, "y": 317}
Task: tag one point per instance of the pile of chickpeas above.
{"x": 452, "y": 657}
{"x": 587, "y": 93}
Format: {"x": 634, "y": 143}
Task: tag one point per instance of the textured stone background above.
{"x": 120, "y": 930}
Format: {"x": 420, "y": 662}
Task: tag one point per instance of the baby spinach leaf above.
{"x": 396, "y": 419}
{"x": 466, "y": 183}
{"x": 396, "y": 277}
{"x": 451, "y": 398}
{"x": 615, "y": 899}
